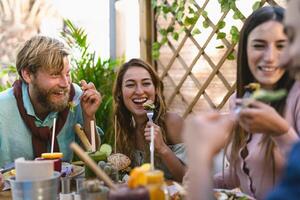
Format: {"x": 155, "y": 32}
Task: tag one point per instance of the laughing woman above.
{"x": 136, "y": 83}
{"x": 265, "y": 132}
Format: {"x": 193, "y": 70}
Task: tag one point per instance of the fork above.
{"x": 150, "y": 114}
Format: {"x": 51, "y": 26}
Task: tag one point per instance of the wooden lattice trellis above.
{"x": 198, "y": 76}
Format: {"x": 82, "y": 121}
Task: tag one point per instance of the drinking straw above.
{"x": 53, "y": 134}
{"x": 115, "y": 149}
{"x": 93, "y": 137}
{"x": 152, "y": 147}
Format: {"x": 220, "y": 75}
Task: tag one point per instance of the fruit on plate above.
{"x": 138, "y": 176}
{"x": 106, "y": 148}
{"x": 98, "y": 155}
{"x": 52, "y": 155}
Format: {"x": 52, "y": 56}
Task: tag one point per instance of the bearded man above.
{"x": 44, "y": 93}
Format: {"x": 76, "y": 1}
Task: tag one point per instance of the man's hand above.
{"x": 90, "y": 99}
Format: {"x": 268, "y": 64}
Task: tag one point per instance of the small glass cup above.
{"x": 156, "y": 185}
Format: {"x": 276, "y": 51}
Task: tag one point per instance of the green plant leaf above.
{"x": 231, "y": 56}
{"x": 236, "y": 15}
{"x": 155, "y": 54}
{"x": 205, "y": 24}
{"x": 190, "y": 20}
{"x": 174, "y": 7}
{"x": 220, "y": 47}
{"x": 170, "y": 29}
{"x": 235, "y": 39}
{"x": 234, "y": 30}
{"x": 164, "y": 40}
{"x": 175, "y": 36}
{"x": 225, "y": 7}
{"x": 156, "y": 46}
{"x": 179, "y": 15}
{"x": 232, "y": 4}
{"x": 221, "y": 35}
{"x": 221, "y": 24}
{"x": 204, "y": 14}
{"x": 153, "y": 4}
{"x": 196, "y": 31}
{"x": 256, "y": 5}
{"x": 166, "y": 9}
{"x": 182, "y": 29}
{"x": 191, "y": 10}
{"x": 163, "y": 32}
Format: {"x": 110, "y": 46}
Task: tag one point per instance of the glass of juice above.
{"x": 156, "y": 185}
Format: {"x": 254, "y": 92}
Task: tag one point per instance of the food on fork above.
{"x": 269, "y": 96}
{"x": 263, "y": 95}
{"x": 149, "y": 105}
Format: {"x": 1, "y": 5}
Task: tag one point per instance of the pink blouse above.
{"x": 260, "y": 179}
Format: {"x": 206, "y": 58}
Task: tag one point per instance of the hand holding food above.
{"x": 263, "y": 95}
{"x": 90, "y": 99}
{"x": 259, "y": 117}
{"x": 159, "y": 143}
{"x": 254, "y": 92}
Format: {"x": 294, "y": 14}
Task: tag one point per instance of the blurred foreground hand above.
{"x": 208, "y": 132}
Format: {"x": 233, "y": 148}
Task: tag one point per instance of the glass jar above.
{"x": 156, "y": 185}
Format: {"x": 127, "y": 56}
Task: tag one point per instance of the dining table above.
{"x": 5, "y": 195}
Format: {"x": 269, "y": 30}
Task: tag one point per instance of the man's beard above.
{"x": 44, "y": 98}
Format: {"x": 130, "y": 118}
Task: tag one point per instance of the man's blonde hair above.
{"x": 41, "y": 52}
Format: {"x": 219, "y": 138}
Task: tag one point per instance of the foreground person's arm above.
{"x": 288, "y": 187}
{"x": 205, "y": 135}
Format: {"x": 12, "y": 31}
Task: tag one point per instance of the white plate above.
{"x": 77, "y": 170}
{"x": 222, "y": 194}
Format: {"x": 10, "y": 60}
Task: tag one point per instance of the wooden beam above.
{"x": 146, "y": 30}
